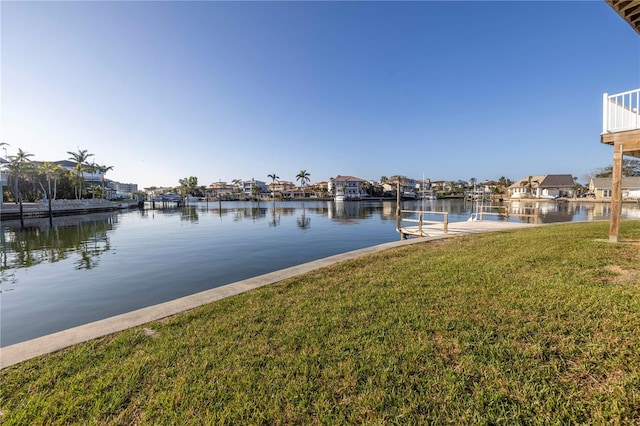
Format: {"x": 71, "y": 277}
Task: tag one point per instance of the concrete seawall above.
{"x": 59, "y": 208}
{"x": 23, "y": 351}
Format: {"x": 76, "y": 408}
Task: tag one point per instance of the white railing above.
{"x": 621, "y": 112}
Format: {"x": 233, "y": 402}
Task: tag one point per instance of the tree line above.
{"x": 30, "y": 181}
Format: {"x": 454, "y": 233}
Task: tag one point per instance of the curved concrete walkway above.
{"x": 23, "y": 351}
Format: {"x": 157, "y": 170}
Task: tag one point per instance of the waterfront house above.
{"x": 154, "y": 191}
{"x": 407, "y": 185}
{"x": 298, "y": 192}
{"x": 492, "y": 187}
{"x": 221, "y": 190}
{"x": 441, "y": 186}
{"x": 4, "y": 178}
{"x": 350, "y": 186}
{"x": 600, "y": 188}
{"x": 621, "y": 121}
{"x": 249, "y": 185}
{"x": 322, "y": 188}
{"x": 280, "y": 187}
{"x": 543, "y": 186}
{"x": 121, "y": 190}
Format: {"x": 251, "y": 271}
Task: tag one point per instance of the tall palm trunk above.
{"x": 49, "y": 199}
{"x": 21, "y": 211}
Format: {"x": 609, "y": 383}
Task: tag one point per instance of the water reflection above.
{"x": 552, "y": 212}
{"x": 86, "y": 238}
{"x": 349, "y": 212}
{"x": 79, "y": 238}
{"x": 61, "y": 276}
{"x": 303, "y": 221}
{"x": 189, "y": 213}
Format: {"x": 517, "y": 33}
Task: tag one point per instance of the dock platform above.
{"x": 461, "y": 228}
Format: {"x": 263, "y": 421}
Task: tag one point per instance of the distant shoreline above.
{"x": 11, "y": 211}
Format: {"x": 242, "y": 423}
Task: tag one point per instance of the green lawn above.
{"x": 533, "y": 326}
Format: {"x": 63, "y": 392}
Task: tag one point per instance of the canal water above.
{"x": 86, "y": 268}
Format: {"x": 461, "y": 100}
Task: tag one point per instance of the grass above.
{"x": 536, "y": 326}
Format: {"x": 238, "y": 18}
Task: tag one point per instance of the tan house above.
{"x": 543, "y": 186}
{"x": 281, "y": 186}
{"x": 221, "y": 189}
{"x": 601, "y": 188}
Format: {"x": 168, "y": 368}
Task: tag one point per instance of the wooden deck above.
{"x": 462, "y": 228}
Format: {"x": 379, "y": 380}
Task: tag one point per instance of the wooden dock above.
{"x": 460, "y": 228}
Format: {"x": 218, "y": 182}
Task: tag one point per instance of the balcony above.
{"x": 621, "y": 121}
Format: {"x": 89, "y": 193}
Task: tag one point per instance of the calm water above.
{"x": 86, "y": 268}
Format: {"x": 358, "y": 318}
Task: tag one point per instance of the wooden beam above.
{"x": 629, "y": 10}
{"x": 630, "y": 141}
{"x": 616, "y": 193}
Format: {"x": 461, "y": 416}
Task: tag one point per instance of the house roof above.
{"x": 629, "y": 10}
{"x": 65, "y": 163}
{"x": 558, "y": 181}
{"x": 535, "y": 181}
{"x": 605, "y": 183}
{"x": 546, "y": 181}
{"x": 347, "y": 179}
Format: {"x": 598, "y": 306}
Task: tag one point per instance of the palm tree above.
{"x": 19, "y": 166}
{"x": 255, "y": 191}
{"x": 529, "y": 184}
{"x": 503, "y": 183}
{"x": 4, "y": 160}
{"x": 92, "y": 168}
{"x": 50, "y": 171}
{"x": 103, "y": 169}
{"x": 472, "y": 184}
{"x": 366, "y": 187}
{"x": 303, "y": 178}
{"x": 237, "y": 186}
{"x": 5, "y": 149}
{"x": 80, "y": 158}
{"x": 274, "y": 178}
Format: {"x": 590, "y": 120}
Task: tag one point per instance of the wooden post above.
{"x": 420, "y": 223}
{"x": 398, "y": 219}
{"x": 446, "y": 223}
{"x": 616, "y": 193}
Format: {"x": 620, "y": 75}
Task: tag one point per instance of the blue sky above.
{"x": 225, "y": 90}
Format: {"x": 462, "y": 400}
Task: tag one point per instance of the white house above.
{"x": 350, "y": 186}
{"x": 248, "y": 185}
{"x": 543, "y": 186}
